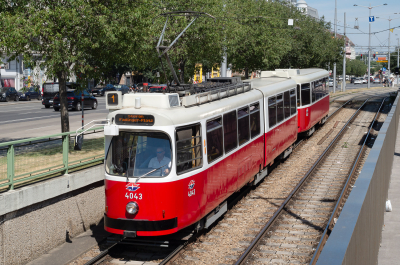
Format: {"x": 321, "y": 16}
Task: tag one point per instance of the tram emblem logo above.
{"x": 191, "y": 184}
{"x": 132, "y": 187}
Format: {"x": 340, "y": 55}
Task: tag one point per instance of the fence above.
{"x": 355, "y": 239}
{"x": 28, "y": 160}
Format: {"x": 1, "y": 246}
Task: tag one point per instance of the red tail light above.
{"x": 70, "y": 98}
{"x": 55, "y": 98}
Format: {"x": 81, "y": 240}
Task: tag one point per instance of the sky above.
{"x": 382, "y": 13}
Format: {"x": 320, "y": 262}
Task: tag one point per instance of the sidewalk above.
{"x": 389, "y": 251}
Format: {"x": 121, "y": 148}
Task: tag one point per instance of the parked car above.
{"x": 74, "y": 98}
{"x": 358, "y": 81}
{"x": 365, "y": 80}
{"x": 157, "y": 88}
{"x": 50, "y": 90}
{"x": 8, "y": 93}
{"x": 331, "y": 82}
{"x": 102, "y": 91}
{"x": 30, "y": 94}
{"x": 123, "y": 88}
{"x": 352, "y": 79}
{"x": 377, "y": 80}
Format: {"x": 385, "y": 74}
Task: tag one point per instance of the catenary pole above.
{"x": 344, "y": 56}
{"x": 334, "y": 65}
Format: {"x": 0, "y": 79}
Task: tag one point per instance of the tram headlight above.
{"x": 132, "y": 207}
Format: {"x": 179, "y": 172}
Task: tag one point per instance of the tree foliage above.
{"x": 100, "y": 38}
{"x": 75, "y": 36}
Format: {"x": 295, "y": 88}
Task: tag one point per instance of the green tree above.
{"x": 76, "y": 36}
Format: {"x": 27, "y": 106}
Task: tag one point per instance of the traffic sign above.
{"x": 371, "y": 19}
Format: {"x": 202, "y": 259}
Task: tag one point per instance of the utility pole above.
{"x": 334, "y": 65}
{"x": 389, "y": 55}
{"x": 398, "y": 47}
{"x": 344, "y": 56}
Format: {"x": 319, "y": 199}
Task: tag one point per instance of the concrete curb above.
{"x": 17, "y": 199}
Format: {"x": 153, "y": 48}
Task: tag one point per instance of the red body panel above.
{"x": 279, "y": 139}
{"x": 177, "y": 199}
{"x": 310, "y": 115}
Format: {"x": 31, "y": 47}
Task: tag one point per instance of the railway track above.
{"x": 307, "y": 215}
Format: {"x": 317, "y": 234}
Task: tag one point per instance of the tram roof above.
{"x": 164, "y": 116}
{"x": 299, "y": 75}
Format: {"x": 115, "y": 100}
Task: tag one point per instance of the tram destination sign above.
{"x": 134, "y": 119}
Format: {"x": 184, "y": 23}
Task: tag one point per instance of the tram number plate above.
{"x": 134, "y": 119}
{"x": 133, "y": 196}
{"x": 112, "y": 99}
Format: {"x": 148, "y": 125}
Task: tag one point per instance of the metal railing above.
{"x": 28, "y": 160}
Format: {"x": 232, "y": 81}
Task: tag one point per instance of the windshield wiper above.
{"x": 169, "y": 165}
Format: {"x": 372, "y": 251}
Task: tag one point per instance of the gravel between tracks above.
{"x": 229, "y": 238}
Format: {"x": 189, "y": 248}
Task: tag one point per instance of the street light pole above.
{"x": 334, "y": 65}
{"x": 369, "y": 50}
{"x": 369, "y": 42}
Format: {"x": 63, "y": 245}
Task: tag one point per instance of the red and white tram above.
{"x": 172, "y": 162}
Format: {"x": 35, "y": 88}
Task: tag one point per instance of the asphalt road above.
{"x": 355, "y": 86}
{"x": 26, "y": 119}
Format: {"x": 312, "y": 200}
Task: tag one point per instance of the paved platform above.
{"x": 389, "y": 253}
{"x": 68, "y": 251}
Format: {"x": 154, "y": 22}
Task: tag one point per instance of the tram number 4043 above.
{"x": 137, "y": 196}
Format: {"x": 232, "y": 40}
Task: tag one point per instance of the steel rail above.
{"x": 340, "y": 200}
{"x": 102, "y": 254}
{"x": 243, "y": 258}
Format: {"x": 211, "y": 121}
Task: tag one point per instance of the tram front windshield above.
{"x": 134, "y": 154}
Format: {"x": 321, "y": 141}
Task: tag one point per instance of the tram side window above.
{"x": 313, "y": 92}
{"x": 305, "y": 94}
{"x": 298, "y": 96}
{"x": 272, "y": 111}
{"x": 292, "y": 102}
{"x": 254, "y": 119}
{"x": 279, "y": 108}
{"x": 243, "y": 125}
{"x": 214, "y": 140}
{"x": 286, "y": 103}
{"x": 188, "y": 148}
{"x": 325, "y": 86}
{"x": 230, "y": 131}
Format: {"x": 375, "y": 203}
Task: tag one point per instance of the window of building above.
{"x": 279, "y": 105}
{"x": 292, "y": 101}
{"x": 254, "y": 120}
{"x": 243, "y": 125}
{"x": 214, "y": 139}
{"x": 272, "y": 111}
{"x": 286, "y": 104}
{"x": 305, "y": 94}
{"x": 188, "y": 148}
{"x": 230, "y": 131}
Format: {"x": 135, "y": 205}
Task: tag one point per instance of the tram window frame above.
{"x": 243, "y": 125}
{"x": 305, "y": 94}
{"x": 286, "y": 104}
{"x": 313, "y": 92}
{"x": 255, "y": 127}
{"x": 298, "y": 95}
{"x": 212, "y": 137}
{"x": 271, "y": 105}
{"x": 228, "y": 144}
{"x": 293, "y": 104}
{"x": 198, "y": 145}
{"x": 280, "y": 116}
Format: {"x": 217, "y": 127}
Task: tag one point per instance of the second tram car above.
{"x": 172, "y": 162}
